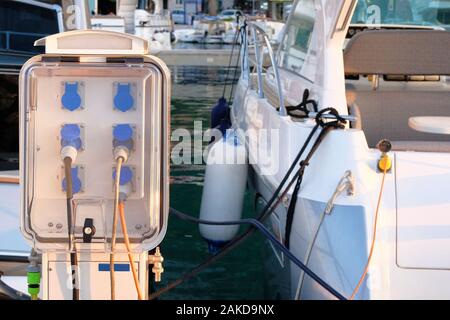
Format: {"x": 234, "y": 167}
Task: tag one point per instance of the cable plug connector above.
{"x": 69, "y": 152}
{"x": 121, "y": 152}
{"x": 385, "y": 162}
{"x": 124, "y": 191}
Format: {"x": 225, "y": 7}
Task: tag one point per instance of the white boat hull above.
{"x": 397, "y": 270}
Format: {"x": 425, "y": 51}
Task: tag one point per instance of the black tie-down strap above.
{"x": 327, "y": 126}
{"x": 287, "y": 182}
{"x": 302, "y": 110}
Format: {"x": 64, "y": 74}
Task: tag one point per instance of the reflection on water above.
{"x": 239, "y": 275}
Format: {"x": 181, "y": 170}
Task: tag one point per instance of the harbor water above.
{"x": 238, "y": 276}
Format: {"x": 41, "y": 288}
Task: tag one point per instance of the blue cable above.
{"x": 262, "y": 228}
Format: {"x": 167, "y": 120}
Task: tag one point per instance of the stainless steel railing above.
{"x": 261, "y": 43}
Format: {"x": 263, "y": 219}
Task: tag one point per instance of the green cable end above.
{"x": 34, "y": 281}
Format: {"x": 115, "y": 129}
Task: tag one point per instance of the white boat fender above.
{"x": 223, "y": 190}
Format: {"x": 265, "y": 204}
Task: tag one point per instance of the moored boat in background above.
{"x": 21, "y": 24}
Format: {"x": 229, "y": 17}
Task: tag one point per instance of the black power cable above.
{"x": 241, "y": 33}
{"x": 257, "y": 224}
{"x": 267, "y": 210}
{"x": 73, "y": 255}
{"x": 236, "y": 37}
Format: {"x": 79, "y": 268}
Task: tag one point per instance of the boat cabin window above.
{"x": 9, "y": 122}
{"x": 21, "y": 24}
{"x": 403, "y": 12}
{"x": 106, "y": 7}
{"x": 297, "y": 40}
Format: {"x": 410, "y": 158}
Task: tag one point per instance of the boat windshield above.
{"x": 434, "y": 13}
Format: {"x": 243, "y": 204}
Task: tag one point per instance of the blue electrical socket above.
{"x": 76, "y": 181}
{"x": 71, "y": 136}
{"x": 71, "y": 99}
{"x": 123, "y": 99}
{"x": 123, "y": 136}
{"x": 126, "y": 175}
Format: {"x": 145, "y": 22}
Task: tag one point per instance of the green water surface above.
{"x": 240, "y": 274}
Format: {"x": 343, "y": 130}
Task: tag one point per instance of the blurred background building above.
{"x": 275, "y": 9}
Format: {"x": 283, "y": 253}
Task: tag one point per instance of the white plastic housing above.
{"x": 42, "y": 114}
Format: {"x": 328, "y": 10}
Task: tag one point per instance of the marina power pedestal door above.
{"x": 94, "y": 145}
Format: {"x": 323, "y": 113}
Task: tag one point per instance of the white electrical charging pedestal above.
{"x": 93, "y": 96}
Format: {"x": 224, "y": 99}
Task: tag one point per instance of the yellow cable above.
{"x": 127, "y": 245}
{"x": 366, "y": 269}
{"x": 114, "y": 228}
